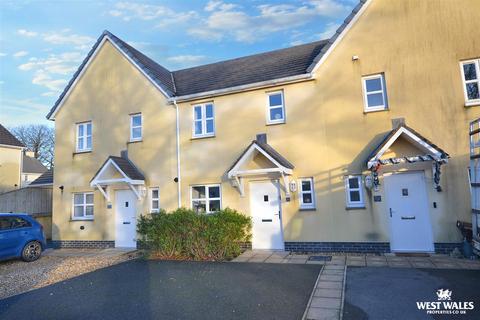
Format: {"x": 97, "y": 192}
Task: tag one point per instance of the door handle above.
{"x": 391, "y": 211}
{"x": 408, "y": 218}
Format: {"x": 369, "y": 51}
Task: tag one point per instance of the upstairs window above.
{"x": 471, "y": 81}
{"x": 83, "y": 206}
{"x": 84, "y": 136}
{"x": 203, "y": 120}
{"x": 275, "y": 108}
{"x": 354, "y": 195}
{"x": 206, "y": 198}
{"x": 136, "y": 122}
{"x": 306, "y": 193}
{"x": 154, "y": 200}
{"x": 374, "y": 93}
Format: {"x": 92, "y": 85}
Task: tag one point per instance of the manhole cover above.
{"x": 320, "y": 258}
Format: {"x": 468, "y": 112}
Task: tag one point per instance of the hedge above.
{"x": 186, "y": 235}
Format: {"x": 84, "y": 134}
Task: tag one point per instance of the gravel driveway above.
{"x": 17, "y": 276}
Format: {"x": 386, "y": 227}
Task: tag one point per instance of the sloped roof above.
{"x": 127, "y": 167}
{"x": 255, "y": 68}
{"x": 9, "y": 139}
{"x": 45, "y": 179}
{"x": 32, "y": 165}
{"x": 391, "y": 134}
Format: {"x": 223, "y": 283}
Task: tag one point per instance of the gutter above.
{"x": 246, "y": 87}
{"x": 179, "y": 180}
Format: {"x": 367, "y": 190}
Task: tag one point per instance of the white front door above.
{"x": 410, "y": 228}
{"x": 265, "y": 209}
{"x": 125, "y": 219}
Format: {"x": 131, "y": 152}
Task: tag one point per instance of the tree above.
{"x": 38, "y": 138}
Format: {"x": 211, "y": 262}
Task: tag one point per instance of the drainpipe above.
{"x": 179, "y": 180}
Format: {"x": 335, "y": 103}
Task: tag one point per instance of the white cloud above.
{"x": 27, "y": 33}
{"x": 66, "y": 38}
{"x": 3, "y": 54}
{"x": 187, "y": 60}
{"x": 52, "y": 72}
{"x": 329, "y": 31}
{"x": 30, "y": 110}
{"x": 164, "y": 16}
{"x": 20, "y": 54}
{"x": 229, "y": 20}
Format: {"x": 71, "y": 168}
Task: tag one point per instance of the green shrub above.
{"x": 184, "y": 234}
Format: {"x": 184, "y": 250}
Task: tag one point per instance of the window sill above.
{"x": 356, "y": 208}
{"x": 365, "y": 111}
{"x": 202, "y": 137}
{"x": 307, "y": 209}
{"x": 134, "y": 141}
{"x": 275, "y": 123}
{"x": 81, "y": 219}
{"x": 474, "y": 103}
{"x": 81, "y": 152}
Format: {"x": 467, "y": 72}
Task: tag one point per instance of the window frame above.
{"x": 470, "y": 102}
{"x": 350, "y": 203}
{"x": 269, "y": 107}
{"x": 84, "y": 205}
{"x": 203, "y": 119}
{"x": 383, "y": 107}
{"x": 301, "y": 192}
{"x": 84, "y": 137}
{"x": 153, "y": 210}
{"x": 207, "y": 199}
{"x": 132, "y": 116}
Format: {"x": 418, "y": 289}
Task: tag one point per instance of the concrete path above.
{"x": 326, "y": 302}
{"x": 436, "y": 261}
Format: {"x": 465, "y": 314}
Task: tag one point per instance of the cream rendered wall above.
{"x": 110, "y": 90}
{"x": 10, "y": 164}
{"x": 418, "y": 45}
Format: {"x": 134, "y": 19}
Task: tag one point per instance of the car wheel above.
{"x": 32, "y": 251}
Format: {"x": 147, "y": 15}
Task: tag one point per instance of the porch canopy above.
{"x": 430, "y": 152}
{"x": 117, "y": 170}
{"x": 272, "y": 162}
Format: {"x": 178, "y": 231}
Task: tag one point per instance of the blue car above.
{"x": 21, "y": 236}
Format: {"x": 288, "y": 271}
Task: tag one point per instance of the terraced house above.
{"x": 356, "y": 143}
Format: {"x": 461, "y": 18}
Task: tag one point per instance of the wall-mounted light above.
{"x": 175, "y": 179}
{"x": 293, "y": 186}
{"x": 61, "y": 188}
{"x": 355, "y": 58}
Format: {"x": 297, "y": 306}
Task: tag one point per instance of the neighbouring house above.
{"x": 354, "y": 143}
{"x": 18, "y": 166}
{"x": 11, "y": 159}
{"x": 32, "y": 168}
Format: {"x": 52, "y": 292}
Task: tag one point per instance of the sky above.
{"x": 42, "y": 43}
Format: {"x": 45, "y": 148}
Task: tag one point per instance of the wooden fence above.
{"x": 35, "y": 201}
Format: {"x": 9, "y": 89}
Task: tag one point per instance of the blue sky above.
{"x": 43, "y": 42}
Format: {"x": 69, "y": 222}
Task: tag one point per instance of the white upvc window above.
{"x": 354, "y": 194}
{"x": 82, "y": 206}
{"x": 154, "y": 199}
{"x": 374, "y": 93}
{"x": 306, "y": 193}
{"x": 84, "y": 136}
{"x": 275, "y": 107}
{"x": 203, "y": 120}
{"x": 136, "y": 123}
{"x": 206, "y": 198}
{"x": 471, "y": 81}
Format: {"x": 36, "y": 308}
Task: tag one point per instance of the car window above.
{"x": 20, "y": 223}
{"x": 5, "y": 223}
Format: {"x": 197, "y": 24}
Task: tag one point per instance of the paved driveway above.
{"x": 392, "y": 293}
{"x": 172, "y": 290}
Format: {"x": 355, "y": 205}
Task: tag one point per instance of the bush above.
{"x": 184, "y": 234}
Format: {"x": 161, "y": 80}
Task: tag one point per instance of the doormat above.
{"x": 320, "y": 258}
